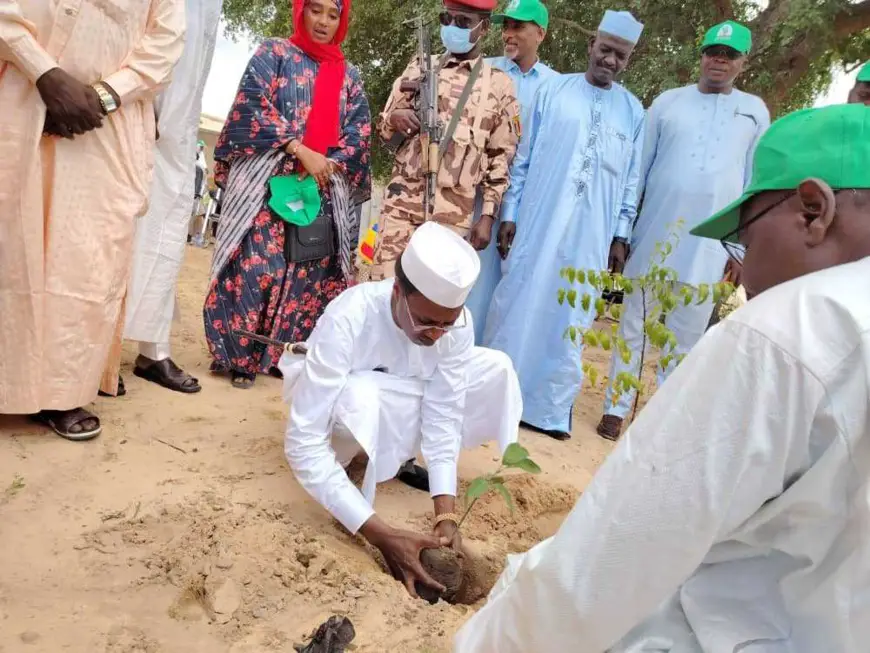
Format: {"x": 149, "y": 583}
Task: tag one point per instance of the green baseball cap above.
{"x": 295, "y": 200}
{"x": 729, "y": 33}
{"x": 864, "y": 73}
{"x": 526, "y": 11}
{"x": 831, "y": 143}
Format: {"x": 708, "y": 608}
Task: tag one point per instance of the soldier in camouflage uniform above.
{"x": 478, "y": 155}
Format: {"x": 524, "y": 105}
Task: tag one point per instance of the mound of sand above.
{"x": 181, "y": 529}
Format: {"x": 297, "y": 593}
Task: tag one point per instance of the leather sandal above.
{"x": 64, "y": 423}
{"x": 167, "y": 374}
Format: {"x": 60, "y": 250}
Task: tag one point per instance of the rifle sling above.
{"x": 457, "y": 113}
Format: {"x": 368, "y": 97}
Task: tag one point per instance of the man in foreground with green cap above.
{"x": 860, "y": 93}
{"x": 697, "y": 159}
{"x": 524, "y": 26}
{"x": 734, "y": 515}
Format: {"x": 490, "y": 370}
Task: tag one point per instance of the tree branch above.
{"x": 724, "y": 9}
{"x": 776, "y": 10}
{"x": 852, "y": 19}
{"x": 572, "y": 25}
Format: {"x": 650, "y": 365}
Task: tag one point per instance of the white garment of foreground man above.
{"x": 391, "y": 369}
{"x": 735, "y": 514}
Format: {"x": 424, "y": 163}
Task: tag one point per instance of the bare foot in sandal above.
{"x": 242, "y": 380}
{"x": 77, "y": 424}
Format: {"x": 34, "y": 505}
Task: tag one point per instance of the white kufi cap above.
{"x": 441, "y": 265}
{"x": 621, "y": 24}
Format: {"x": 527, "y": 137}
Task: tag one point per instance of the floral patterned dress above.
{"x": 253, "y": 287}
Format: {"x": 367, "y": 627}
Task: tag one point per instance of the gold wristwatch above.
{"x": 107, "y": 100}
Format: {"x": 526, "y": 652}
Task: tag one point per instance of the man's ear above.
{"x": 818, "y": 208}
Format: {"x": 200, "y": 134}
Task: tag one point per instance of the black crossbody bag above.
{"x": 311, "y": 243}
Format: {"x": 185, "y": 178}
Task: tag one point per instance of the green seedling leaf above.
{"x": 478, "y": 488}
{"x": 572, "y": 298}
{"x": 561, "y": 296}
{"x": 581, "y": 276}
{"x": 593, "y": 376}
{"x": 703, "y": 293}
{"x": 529, "y": 465}
{"x": 514, "y": 454}
{"x": 600, "y": 306}
{"x": 503, "y": 491}
{"x": 586, "y": 302}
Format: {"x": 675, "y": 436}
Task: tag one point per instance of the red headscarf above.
{"x": 322, "y": 129}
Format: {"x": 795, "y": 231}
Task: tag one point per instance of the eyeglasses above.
{"x": 722, "y": 52}
{"x": 460, "y": 20}
{"x": 423, "y": 328}
{"x": 737, "y": 251}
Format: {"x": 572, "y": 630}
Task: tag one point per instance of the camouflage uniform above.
{"x": 479, "y": 155}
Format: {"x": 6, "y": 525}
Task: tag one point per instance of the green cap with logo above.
{"x": 729, "y": 33}
{"x": 525, "y": 11}
{"x": 864, "y": 73}
{"x": 831, "y": 143}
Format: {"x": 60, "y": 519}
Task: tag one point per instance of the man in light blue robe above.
{"x": 697, "y": 158}
{"x": 573, "y": 198}
{"x": 524, "y": 26}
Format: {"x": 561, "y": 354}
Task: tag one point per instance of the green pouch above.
{"x": 293, "y": 200}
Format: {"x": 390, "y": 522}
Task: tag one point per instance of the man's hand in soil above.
{"x": 401, "y": 550}
{"x": 74, "y": 108}
{"x": 448, "y": 533}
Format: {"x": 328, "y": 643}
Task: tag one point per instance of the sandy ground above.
{"x": 182, "y": 530}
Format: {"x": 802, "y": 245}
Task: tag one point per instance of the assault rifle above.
{"x": 425, "y": 90}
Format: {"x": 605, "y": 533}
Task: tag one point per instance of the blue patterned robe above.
{"x": 252, "y": 286}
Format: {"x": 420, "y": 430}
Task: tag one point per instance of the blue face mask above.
{"x": 456, "y": 39}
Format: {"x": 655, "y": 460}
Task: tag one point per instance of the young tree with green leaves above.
{"x": 660, "y": 293}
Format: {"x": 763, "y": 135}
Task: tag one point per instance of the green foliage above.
{"x": 515, "y": 457}
{"x": 661, "y": 292}
{"x": 796, "y": 42}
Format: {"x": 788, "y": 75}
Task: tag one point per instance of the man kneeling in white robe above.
{"x": 391, "y": 368}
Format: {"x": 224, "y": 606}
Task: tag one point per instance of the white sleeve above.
{"x": 707, "y": 452}
{"x": 307, "y": 442}
{"x": 442, "y": 412}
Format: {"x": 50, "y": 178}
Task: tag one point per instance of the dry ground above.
{"x": 181, "y": 529}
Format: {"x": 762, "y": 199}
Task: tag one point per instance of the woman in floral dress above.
{"x": 300, "y": 109}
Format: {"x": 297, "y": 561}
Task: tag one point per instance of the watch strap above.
{"x": 106, "y": 100}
